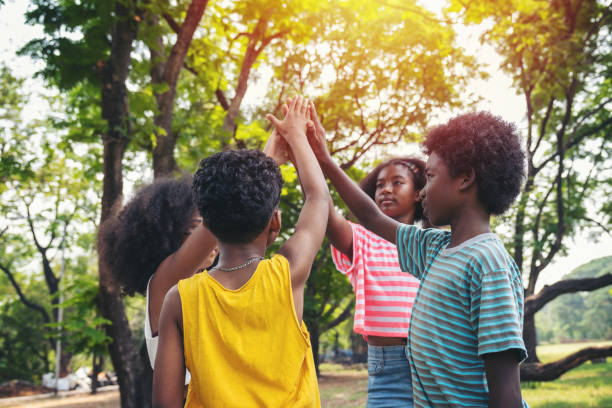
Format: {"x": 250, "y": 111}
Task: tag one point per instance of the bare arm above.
{"x": 503, "y": 379}
{"x": 179, "y": 265}
{"x": 301, "y": 249}
{"x": 169, "y": 373}
{"x": 339, "y": 232}
{"x": 359, "y": 203}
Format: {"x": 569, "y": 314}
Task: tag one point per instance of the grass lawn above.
{"x": 587, "y": 386}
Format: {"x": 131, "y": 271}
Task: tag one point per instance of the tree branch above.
{"x": 172, "y": 22}
{"x": 346, "y": 313}
{"x": 548, "y": 293}
{"x": 222, "y": 99}
{"x": 603, "y": 227}
{"x": 22, "y": 297}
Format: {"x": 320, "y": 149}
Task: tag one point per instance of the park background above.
{"x": 101, "y": 97}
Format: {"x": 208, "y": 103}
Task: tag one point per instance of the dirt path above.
{"x": 346, "y": 389}
{"x": 108, "y": 399}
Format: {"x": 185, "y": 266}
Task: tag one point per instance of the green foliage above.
{"x": 24, "y": 352}
{"x": 14, "y": 161}
{"x": 77, "y": 41}
{"x": 587, "y": 386}
{"x": 376, "y": 74}
{"x": 82, "y": 330}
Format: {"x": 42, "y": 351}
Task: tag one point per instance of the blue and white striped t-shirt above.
{"x": 470, "y": 303}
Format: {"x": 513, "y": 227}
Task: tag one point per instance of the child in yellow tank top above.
{"x": 238, "y": 327}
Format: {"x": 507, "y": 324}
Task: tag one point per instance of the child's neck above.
{"x": 234, "y": 256}
{"x": 472, "y": 220}
{"x": 407, "y": 218}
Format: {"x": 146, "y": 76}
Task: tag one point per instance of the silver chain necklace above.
{"x": 235, "y": 268}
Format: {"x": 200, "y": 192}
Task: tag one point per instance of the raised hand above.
{"x": 316, "y": 134}
{"x": 276, "y": 147}
{"x": 293, "y": 126}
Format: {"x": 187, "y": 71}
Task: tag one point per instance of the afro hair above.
{"x": 146, "y": 231}
{"x": 416, "y": 169}
{"x": 236, "y": 192}
{"x": 491, "y": 147}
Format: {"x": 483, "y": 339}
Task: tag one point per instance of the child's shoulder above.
{"x": 433, "y": 236}
{"x": 487, "y": 253}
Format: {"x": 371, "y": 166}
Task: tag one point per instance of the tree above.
{"x": 557, "y": 55}
{"x": 43, "y": 196}
{"x": 165, "y": 71}
{"x": 376, "y": 73}
{"x": 101, "y": 57}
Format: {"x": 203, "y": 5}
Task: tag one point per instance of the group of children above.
{"x": 441, "y": 310}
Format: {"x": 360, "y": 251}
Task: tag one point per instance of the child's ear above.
{"x": 275, "y": 226}
{"x": 467, "y": 179}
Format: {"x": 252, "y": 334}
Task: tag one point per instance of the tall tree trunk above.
{"x": 146, "y": 378}
{"x": 359, "y": 348}
{"x": 313, "y": 328}
{"x": 123, "y": 349}
{"x": 163, "y": 153}
{"x": 530, "y": 339}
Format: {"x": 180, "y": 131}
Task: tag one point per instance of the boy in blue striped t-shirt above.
{"x": 465, "y": 342}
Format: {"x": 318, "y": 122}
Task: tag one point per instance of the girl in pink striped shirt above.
{"x": 384, "y": 294}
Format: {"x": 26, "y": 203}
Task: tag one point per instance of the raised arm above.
{"x": 359, "y": 203}
{"x": 301, "y": 249}
{"x": 339, "y": 232}
{"x": 181, "y": 264}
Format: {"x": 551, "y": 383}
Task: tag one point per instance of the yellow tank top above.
{"x": 244, "y": 347}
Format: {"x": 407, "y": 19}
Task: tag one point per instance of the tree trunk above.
{"x": 359, "y": 348}
{"x": 530, "y": 339}
{"x": 146, "y": 378}
{"x": 163, "y": 153}
{"x": 97, "y": 363}
{"x": 313, "y": 327}
{"x": 123, "y": 350}
{"x": 65, "y": 358}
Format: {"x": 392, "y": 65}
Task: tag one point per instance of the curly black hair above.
{"x": 416, "y": 169}
{"x": 146, "y": 231}
{"x": 490, "y": 146}
{"x": 236, "y": 192}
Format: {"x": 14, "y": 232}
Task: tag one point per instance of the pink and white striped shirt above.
{"x": 384, "y": 295}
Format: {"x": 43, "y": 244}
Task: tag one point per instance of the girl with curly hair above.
{"x": 157, "y": 239}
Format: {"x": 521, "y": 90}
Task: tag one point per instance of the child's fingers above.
{"x": 313, "y": 113}
{"x": 275, "y": 122}
{"x": 298, "y": 104}
{"x": 285, "y": 109}
{"x": 304, "y": 107}
{"x": 293, "y": 104}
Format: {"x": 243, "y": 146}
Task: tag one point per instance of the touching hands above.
{"x": 276, "y": 148}
{"x": 293, "y": 126}
{"x": 316, "y": 135}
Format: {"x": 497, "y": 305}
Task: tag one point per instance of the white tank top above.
{"x": 153, "y": 341}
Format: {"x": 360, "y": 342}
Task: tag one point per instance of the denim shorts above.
{"x": 389, "y": 378}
